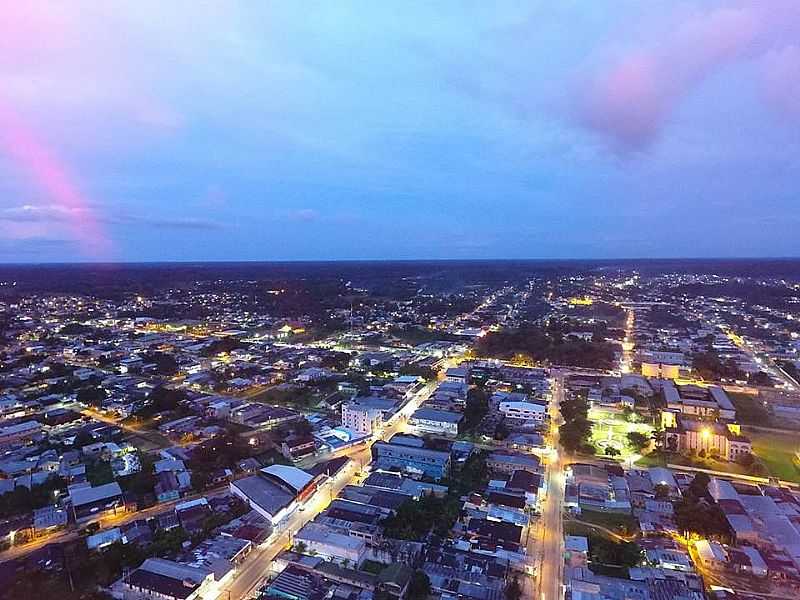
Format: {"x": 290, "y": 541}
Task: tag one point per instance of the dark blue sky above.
{"x": 258, "y": 131}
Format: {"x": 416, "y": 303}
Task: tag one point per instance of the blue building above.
{"x": 421, "y": 461}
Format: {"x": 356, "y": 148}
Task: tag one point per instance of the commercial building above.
{"x": 430, "y": 420}
{"x": 328, "y": 543}
{"x": 168, "y": 580}
{"x": 275, "y": 491}
{"x": 93, "y": 503}
{"x": 415, "y": 461}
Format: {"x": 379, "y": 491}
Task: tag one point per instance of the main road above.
{"x": 550, "y": 575}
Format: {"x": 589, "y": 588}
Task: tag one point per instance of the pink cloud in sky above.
{"x": 53, "y": 177}
{"x": 781, "y": 80}
{"x": 630, "y": 99}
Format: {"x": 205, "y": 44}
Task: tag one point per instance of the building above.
{"x": 430, "y": 420}
{"x": 275, "y": 491}
{"x": 662, "y": 365}
{"x": 21, "y": 433}
{"x": 298, "y": 446}
{"x": 412, "y": 460}
{"x": 693, "y": 435}
{"x": 94, "y": 503}
{"x": 706, "y": 402}
{"x": 508, "y": 463}
{"x": 362, "y": 417}
{"x": 456, "y": 375}
{"x": 167, "y": 580}
{"x": 330, "y": 544}
{"x": 523, "y": 411}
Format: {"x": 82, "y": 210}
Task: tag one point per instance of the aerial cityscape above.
{"x": 400, "y": 300}
{"x": 477, "y": 430}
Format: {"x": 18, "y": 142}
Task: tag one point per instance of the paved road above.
{"x": 551, "y": 570}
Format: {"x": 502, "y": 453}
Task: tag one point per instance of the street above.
{"x": 551, "y": 537}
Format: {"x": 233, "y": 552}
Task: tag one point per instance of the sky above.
{"x": 184, "y": 130}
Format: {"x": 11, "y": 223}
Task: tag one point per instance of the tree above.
{"x": 84, "y": 438}
{"x": 608, "y": 552}
{"x": 513, "y": 590}
{"x": 746, "y": 459}
{"x": 419, "y": 587}
{"x": 476, "y": 407}
{"x": 612, "y": 451}
{"x": 300, "y": 547}
{"x": 662, "y": 491}
{"x": 638, "y": 441}
{"x": 93, "y": 396}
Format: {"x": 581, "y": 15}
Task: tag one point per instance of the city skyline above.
{"x": 356, "y": 131}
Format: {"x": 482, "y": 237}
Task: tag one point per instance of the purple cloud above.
{"x": 781, "y": 80}
{"x": 631, "y": 99}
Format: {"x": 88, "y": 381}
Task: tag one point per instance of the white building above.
{"x": 430, "y": 420}
{"x": 523, "y": 411}
{"x": 361, "y": 418}
{"x": 332, "y": 545}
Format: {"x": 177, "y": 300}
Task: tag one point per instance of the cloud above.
{"x": 304, "y": 214}
{"x": 55, "y": 214}
{"x": 630, "y": 99}
{"x": 31, "y": 213}
{"x": 780, "y": 70}
{"x": 178, "y": 223}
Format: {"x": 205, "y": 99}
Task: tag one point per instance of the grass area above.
{"x": 370, "y": 566}
{"x": 659, "y": 459}
{"x": 749, "y": 411}
{"x": 653, "y": 459}
{"x": 610, "y": 430}
{"x": 777, "y": 452}
{"x": 574, "y": 528}
{"x": 624, "y": 523}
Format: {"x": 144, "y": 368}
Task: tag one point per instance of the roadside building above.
{"x": 442, "y": 422}
{"x": 168, "y": 580}
{"x": 415, "y": 461}
{"x": 94, "y": 503}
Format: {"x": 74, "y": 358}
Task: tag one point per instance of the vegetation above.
{"x": 708, "y": 366}
{"x": 419, "y": 335}
{"x": 419, "y": 587}
{"x": 603, "y": 551}
{"x": 23, "y": 500}
{"x": 638, "y": 441}
{"x": 576, "y": 431}
{"x": 415, "y": 519}
{"x": 548, "y": 345}
{"x": 162, "y": 399}
{"x": 427, "y": 373}
{"x": 140, "y": 484}
{"x": 777, "y": 452}
{"x": 476, "y": 407}
{"x": 99, "y": 472}
{"x": 91, "y": 395}
{"x": 749, "y": 411}
{"x": 621, "y": 523}
{"x": 696, "y": 512}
